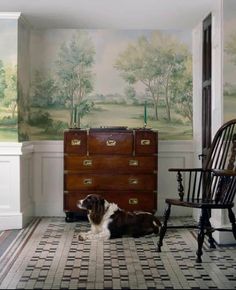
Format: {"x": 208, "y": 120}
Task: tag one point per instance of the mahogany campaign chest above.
{"x": 118, "y": 163}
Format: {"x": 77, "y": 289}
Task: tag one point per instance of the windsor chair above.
{"x": 208, "y": 188}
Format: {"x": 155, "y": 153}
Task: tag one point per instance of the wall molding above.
{"x": 10, "y": 15}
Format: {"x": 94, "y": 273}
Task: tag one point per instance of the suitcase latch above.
{"x": 145, "y": 142}
{"x": 75, "y": 142}
{"x": 133, "y": 201}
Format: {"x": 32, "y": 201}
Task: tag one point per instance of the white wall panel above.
{"x": 172, "y": 154}
{"x": 4, "y": 184}
{"x": 48, "y": 178}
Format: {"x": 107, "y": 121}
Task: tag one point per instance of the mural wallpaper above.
{"x": 106, "y": 77}
{"x": 93, "y": 78}
{"x": 229, "y": 60}
{"x": 8, "y": 80}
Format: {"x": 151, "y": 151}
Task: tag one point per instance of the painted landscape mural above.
{"x": 94, "y": 78}
{"x": 229, "y": 60}
{"x": 106, "y": 77}
{"x": 8, "y": 80}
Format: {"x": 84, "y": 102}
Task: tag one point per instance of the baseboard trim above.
{"x": 11, "y": 221}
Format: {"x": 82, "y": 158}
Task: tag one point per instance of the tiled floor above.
{"x": 48, "y": 255}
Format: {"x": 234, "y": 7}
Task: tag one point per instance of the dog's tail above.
{"x": 156, "y": 225}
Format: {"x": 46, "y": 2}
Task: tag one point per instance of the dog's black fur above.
{"x": 109, "y": 221}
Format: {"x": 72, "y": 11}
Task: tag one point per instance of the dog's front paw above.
{"x": 82, "y": 237}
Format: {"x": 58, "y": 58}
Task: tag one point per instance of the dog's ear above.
{"x": 97, "y": 211}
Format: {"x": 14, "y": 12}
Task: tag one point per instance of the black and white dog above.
{"x": 109, "y": 221}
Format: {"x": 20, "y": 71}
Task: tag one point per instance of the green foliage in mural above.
{"x": 10, "y": 98}
{"x": 230, "y": 85}
{"x": 230, "y": 48}
{"x": 181, "y": 91}
{"x": 155, "y": 67}
{"x": 74, "y": 72}
{"x": 44, "y": 89}
{"x": 159, "y": 64}
{"x": 8, "y": 102}
{"x": 2, "y": 80}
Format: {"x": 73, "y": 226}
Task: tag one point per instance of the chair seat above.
{"x": 198, "y": 203}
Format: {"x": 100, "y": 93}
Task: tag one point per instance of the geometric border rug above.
{"x": 48, "y": 255}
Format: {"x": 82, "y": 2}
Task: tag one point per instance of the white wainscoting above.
{"x": 172, "y": 154}
{"x": 16, "y": 198}
{"x": 48, "y": 178}
{"x": 31, "y": 179}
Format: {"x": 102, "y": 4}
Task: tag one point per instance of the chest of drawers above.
{"x": 120, "y": 164}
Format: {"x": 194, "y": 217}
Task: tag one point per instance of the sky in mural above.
{"x": 8, "y": 33}
{"x": 108, "y": 44}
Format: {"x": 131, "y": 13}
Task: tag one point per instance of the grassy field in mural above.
{"x": 120, "y": 115}
{"x": 8, "y": 127}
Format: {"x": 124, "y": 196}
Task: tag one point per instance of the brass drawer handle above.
{"x": 145, "y": 142}
{"x": 133, "y": 201}
{"x": 87, "y": 162}
{"x": 111, "y": 142}
{"x": 133, "y": 162}
{"x": 75, "y": 142}
{"x": 87, "y": 181}
{"x": 133, "y": 181}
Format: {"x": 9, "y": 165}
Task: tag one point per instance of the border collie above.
{"x": 109, "y": 221}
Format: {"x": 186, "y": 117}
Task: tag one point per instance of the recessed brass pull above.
{"x": 133, "y": 162}
{"x": 75, "y": 142}
{"x": 133, "y": 201}
{"x": 87, "y": 162}
{"x": 133, "y": 181}
{"x": 145, "y": 142}
{"x": 111, "y": 142}
{"x": 87, "y": 181}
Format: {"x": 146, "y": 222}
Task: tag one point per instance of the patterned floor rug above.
{"x": 48, "y": 255}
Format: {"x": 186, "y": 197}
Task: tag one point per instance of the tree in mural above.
{"x": 230, "y": 48}
{"x": 74, "y": 72}
{"x": 130, "y": 93}
{"x": 2, "y": 80}
{"x": 10, "y": 96}
{"x": 154, "y": 63}
{"x": 181, "y": 91}
{"x": 44, "y": 89}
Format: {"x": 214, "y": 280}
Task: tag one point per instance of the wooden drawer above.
{"x": 118, "y": 164}
{"x": 75, "y": 142}
{"x": 75, "y": 181}
{"x": 145, "y": 142}
{"x": 110, "y": 142}
{"x": 128, "y": 200}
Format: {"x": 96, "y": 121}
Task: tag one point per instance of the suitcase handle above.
{"x": 111, "y": 142}
{"x": 145, "y": 142}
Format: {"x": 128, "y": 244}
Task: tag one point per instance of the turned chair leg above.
{"x": 163, "y": 227}
{"x": 209, "y": 231}
{"x": 232, "y": 220}
{"x": 201, "y": 234}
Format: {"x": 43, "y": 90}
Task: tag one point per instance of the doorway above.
{"x": 206, "y": 84}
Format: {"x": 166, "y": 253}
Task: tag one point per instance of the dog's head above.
{"x": 95, "y": 204}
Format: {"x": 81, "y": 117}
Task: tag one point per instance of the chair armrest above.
{"x": 219, "y": 172}
{"x": 186, "y": 169}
